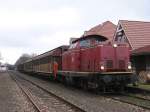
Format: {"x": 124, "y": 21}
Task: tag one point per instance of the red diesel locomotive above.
{"x": 89, "y": 62}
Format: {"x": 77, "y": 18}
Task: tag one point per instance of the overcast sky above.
{"x": 36, "y": 26}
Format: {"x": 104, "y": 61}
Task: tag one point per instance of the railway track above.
{"x": 137, "y": 90}
{"x": 46, "y": 101}
{"x": 29, "y": 95}
{"x": 132, "y": 99}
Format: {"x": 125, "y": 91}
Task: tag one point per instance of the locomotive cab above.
{"x": 79, "y": 53}
{"x": 88, "y": 41}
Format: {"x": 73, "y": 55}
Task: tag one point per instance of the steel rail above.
{"x": 122, "y": 99}
{"x": 136, "y": 89}
{"x": 26, "y": 92}
{"x": 136, "y": 96}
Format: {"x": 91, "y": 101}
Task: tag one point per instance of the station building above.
{"x": 137, "y": 35}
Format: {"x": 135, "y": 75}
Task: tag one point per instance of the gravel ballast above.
{"x": 88, "y": 101}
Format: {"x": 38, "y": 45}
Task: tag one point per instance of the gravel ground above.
{"x": 11, "y": 97}
{"x": 88, "y": 101}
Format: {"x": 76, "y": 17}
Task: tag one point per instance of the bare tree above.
{"x": 23, "y": 58}
{"x": 0, "y": 58}
{"x": 33, "y": 55}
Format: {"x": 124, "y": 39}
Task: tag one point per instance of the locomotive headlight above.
{"x": 102, "y": 67}
{"x": 115, "y": 45}
{"x": 129, "y": 67}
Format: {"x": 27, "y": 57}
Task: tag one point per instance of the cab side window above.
{"x": 74, "y": 45}
{"x": 85, "y": 43}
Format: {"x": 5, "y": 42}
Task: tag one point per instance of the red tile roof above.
{"x": 107, "y": 29}
{"x": 142, "y": 50}
{"x": 137, "y": 32}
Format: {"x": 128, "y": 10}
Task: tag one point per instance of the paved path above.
{"x": 11, "y": 97}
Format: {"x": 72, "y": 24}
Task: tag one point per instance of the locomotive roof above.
{"x": 99, "y": 37}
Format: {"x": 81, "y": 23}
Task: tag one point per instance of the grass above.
{"x": 143, "y": 86}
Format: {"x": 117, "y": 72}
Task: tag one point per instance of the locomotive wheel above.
{"x": 65, "y": 81}
{"x": 84, "y": 84}
{"x": 69, "y": 81}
